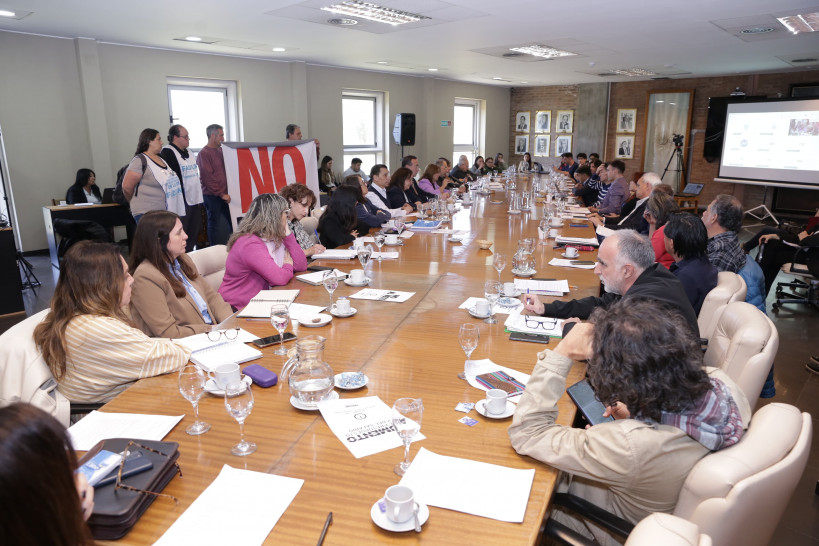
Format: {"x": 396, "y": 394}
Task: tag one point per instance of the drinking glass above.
{"x": 279, "y": 317}
{"x": 239, "y": 402}
{"x": 406, "y": 417}
{"x": 364, "y": 254}
{"x": 499, "y": 263}
{"x": 380, "y": 238}
{"x": 492, "y": 292}
{"x": 468, "y": 337}
{"x": 192, "y": 385}
{"x": 330, "y": 284}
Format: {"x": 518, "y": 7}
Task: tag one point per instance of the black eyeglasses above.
{"x": 547, "y": 324}
{"x": 120, "y": 485}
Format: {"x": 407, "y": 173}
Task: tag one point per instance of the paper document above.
{"x": 603, "y": 231}
{"x": 304, "y": 311}
{"x": 363, "y": 425}
{"x": 99, "y": 425}
{"x": 238, "y": 507}
{"x": 532, "y": 324}
{"x": 472, "y": 487}
{"x": 316, "y": 278}
{"x": 591, "y": 241}
{"x": 259, "y": 305}
{"x": 384, "y": 255}
{"x": 532, "y": 286}
{"x": 382, "y": 295}
{"x": 579, "y": 264}
{"x": 499, "y": 309}
{"x": 336, "y": 254}
{"x": 574, "y": 209}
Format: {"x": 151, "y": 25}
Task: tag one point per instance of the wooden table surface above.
{"x": 407, "y": 350}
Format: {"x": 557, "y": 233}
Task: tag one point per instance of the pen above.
{"x": 327, "y": 523}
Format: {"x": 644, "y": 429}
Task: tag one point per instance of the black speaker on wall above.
{"x": 404, "y": 130}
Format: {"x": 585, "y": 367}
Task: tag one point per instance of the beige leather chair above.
{"x": 730, "y": 287}
{"x": 310, "y": 224}
{"x": 743, "y": 345}
{"x": 737, "y": 495}
{"x": 210, "y": 263}
{"x": 318, "y": 211}
{"x": 666, "y": 530}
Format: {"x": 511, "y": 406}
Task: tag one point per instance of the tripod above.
{"x": 680, "y": 164}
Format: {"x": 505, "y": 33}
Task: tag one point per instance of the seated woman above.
{"x": 687, "y": 241}
{"x": 338, "y": 225}
{"x": 326, "y": 176}
{"x": 397, "y": 194}
{"x": 430, "y": 180}
{"x": 765, "y": 234}
{"x": 500, "y": 166}
{"x": 84, "y": 189}
{"x": 301, "y": 200}
{"x": 369, "y": 216}
{"x": 169, "y": 298}
{"x": 659, "y": 208}
{"x": 460, "y": 173}
{"x": 527, "y": 164}
{"x": 478, "y": 166}
{"x": 263, "y": 252}
{"x": 87, "y": 338}
{"x": 44, "y": 501}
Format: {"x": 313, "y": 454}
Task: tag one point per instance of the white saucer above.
{"x": 210, "y": 386}
{"x": 454, "y": 240}
{"x": 380, "y": 518}
{"x": 570, "y": 257}
{"x": 308, "y": 322}
{"x": 510, "y": 409}
{"x": 335, "y": 313}
{"x": 296, "y": 403}
{"x": 349, "y": 282}
{"x": 476, "y": 315}
{"x": 522, "y": 274}
{"x": 507, "y": 301}
{"x": 338, "y": 377}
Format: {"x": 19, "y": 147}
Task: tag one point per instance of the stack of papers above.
{"x": 259, "y": 306}
{"x": 499, "y": 309}
{"x": 382, "y": 295}
{"x": 542, "y": 288}
{"x": 603, "y": 231}
{"x": 590, "y": 241}
{"x": 300, "y": 311}
{"x": 578, "y": 264}
{"x": 98, "y": 425}
{"x": 533, "y": 324}
{"x": 316, "y": 278}
{"x": 384, "y": 255}
{"x": 574, "y": 209}
{"x": 336, "y": 254}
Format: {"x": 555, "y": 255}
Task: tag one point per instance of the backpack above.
{"x": 119, "y": 195}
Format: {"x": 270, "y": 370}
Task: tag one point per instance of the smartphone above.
{"x": 135, "y": 463}
{"x": 272, "y": 340}
{"x": 520, "y": 336}
{"x": 586, "y": 401}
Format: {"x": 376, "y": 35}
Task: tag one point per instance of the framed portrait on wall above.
{"x": 543, "y": 121}
{"x": 626, "y": 120}
{"x": 565, "y": 121}
{"x": 522, "y": 122}
{"x": 624, "y": 146}
{"x": 542, "y": 143}
{"x": 521, "y": 144}
{"x": 563, "y": 144}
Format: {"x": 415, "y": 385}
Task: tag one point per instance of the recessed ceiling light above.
{"x": 498, "y": 78}
{"x": 757, "y": 30}
{"x": 342, "y": 22}
{"x": 382, "y": 62}
{"x": 279, "y": 49}
{"x": 524, "y": 82}
{"x": 546, "y": 52}
{"x": 807, "y": 22}
{"x": 432, "y": 69}
{"x": 7, "y": 13}
{"x": 374, "y": 12}
{"x": 633, "y": 72}
{"x": 193, "y": 38}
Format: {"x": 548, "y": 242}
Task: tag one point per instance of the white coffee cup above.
{"x": 481, "y": 307}
{"x": 400, "y": 502}
{"x": 357, "y": 276}
{"x": 495, "y": 401}
{"x": 553, "y": 233}
{"x": 571, "y": 252}
{"x": 556, "y": 222}
{"x": 225, "y": 374}
{"x": 508, "y": 289}
{"x": 342, "y": 306}
{"x": 392, "y": 239}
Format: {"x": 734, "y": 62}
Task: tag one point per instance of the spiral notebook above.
{"x": 259, "y": 306}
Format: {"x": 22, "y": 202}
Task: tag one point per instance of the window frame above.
{"x": 233, "y": 126}
{"x": 473, "y": 149}
{"x": 378, "y": 147}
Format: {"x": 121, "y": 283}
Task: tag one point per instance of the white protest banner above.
{"x": 253, "y": 168}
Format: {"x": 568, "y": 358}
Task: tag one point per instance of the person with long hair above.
{"x": 84, "y": 189}
{"x": 301, "y": 200}
{"x": 43, "y": 502}
{"x": 169, "y": 297}
{"x": 526, "y": 164}
{"x": 339, "y": 223}
{"x": 88, "y": 340}
{"x": 149, "y": 183}
{"x": 369, "y": 215}
{"x": 262, "y": 252}
{"x": 326, "y": 176}
{"x": 477, "y": 166}
{"x": 398, "y": 187}
{"x": 500, "y": 166}
{"x": 659, "y": 207}
{"x": 431, "y": 180}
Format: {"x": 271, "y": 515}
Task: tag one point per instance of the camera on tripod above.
{"x": 678, "y": 140}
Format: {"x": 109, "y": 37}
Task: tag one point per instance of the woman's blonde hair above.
{"x": 263, "y": 219}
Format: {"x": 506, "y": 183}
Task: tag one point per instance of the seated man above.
{"x": 723, "y": 220}
{"x": 780, "y": 247}
{"x": 377, "y": 194}
{"x": 686, "y": 241}
{"x": 355, "y": 170}
{"x": 626, "y": 267}
{"x": 617, "y": 191}
{"x": 669, "y": 412}
{"x": 582, "y": 189}
{"x": 633, "y": 219}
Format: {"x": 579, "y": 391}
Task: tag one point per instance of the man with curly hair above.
{"x": 669, "y": 412}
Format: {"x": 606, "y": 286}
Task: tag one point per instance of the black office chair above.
{"x": 74, "y": 231}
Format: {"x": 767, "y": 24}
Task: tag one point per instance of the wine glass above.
{"x": 239, "y": 403}
{"x": 330, "y": 284}
{"x": 192, "y": 385}
{"x": 399, "y": 227}
{"x": 406, "y": 417}
{"x": 279, "y": 317}
{"x": 499, "y": 263}
{"x": 364, "y": 254}
{"x": 380, "y": 238}
{"x": 492, "y": 292}
{"x": 468, "y": 337}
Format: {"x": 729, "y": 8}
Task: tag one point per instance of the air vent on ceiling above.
{"x": 756, "y": 30}
{"x": 342, "y": 22}
{"x": 805, "y": 60}
{"x": 661, "y": 78}
{"x": 513, "y": 54}
{"x": 606, "y": 74}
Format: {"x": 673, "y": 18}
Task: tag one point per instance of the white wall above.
{"x": 50, "y": 89}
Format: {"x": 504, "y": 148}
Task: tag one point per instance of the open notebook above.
{"x": 259, "y": 306}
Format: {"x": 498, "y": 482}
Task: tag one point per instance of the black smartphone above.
{"x": 272, "y": 340}
{"x": 520, "y": 336}
{"x": 318, "y": 268}
{"x": 586, "y": 401}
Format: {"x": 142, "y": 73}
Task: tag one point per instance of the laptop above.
{"x": 691, "y": 190}
{"x": 107, "y": 196}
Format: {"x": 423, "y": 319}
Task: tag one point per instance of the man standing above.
{"x": 617, "y": 189}
{"x": 377, "y": 194}
{"x": 293, "y": 132}
{"x": 176, "y": 155}
{"x": 355, "y": 170}
{"x": 211, "y": 164}
{"x": 723, "y": 220}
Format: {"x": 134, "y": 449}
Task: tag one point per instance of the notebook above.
{"x": 226, "y": 352}
{"x": 259, "y": 305}
{"x": 316, "y": 278}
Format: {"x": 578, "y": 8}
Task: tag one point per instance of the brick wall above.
{"x": 532, "y": 99}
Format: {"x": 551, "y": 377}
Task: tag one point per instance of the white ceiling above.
{"x": 463, "y": 39}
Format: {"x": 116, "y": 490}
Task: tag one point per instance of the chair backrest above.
{"x": 210, "y": 263}
{"x": 737, "y": 495}
{"x": 310, "y": 224}
{"x": 318, "y": 211}
{"x": 743, "y": 345}
{"x": 667, "y": 530}
{"x": 24, "y": 375}
{"x": 730, "y": 287}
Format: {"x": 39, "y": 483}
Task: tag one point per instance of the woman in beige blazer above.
{"x": 169, "y": 298}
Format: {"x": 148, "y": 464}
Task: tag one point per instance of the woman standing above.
{"x": 169, "y": 298}
{"x": 263, "y": 252}
{"x": 339, "y": 223}
{"x": 84, "y": 190}
{"x": 301, "y": 200}
{"x": 149, "y": 183}
{"x": 326, "y": 176}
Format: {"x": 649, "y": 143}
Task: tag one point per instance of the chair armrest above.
{"x": 593, "y": 513}
{"x": 564, "y": 535}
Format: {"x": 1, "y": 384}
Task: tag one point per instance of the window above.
{"x": 363, "y": 128}
{"x": 466, "y": 130}
{"x": 197, "y": 103}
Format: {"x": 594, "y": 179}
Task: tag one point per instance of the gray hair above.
{"x": 633, "y": 248}
{"x": 213, "y": 129}
{"x": 661, "y": 206}
{"x": 728, "y": 210}
{"x": 263, "y": 219}
{"x": 290, "y": 130}
{"x": 653, "y": 179}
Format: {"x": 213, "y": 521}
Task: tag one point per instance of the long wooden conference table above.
{"x": 407, "y": 350}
